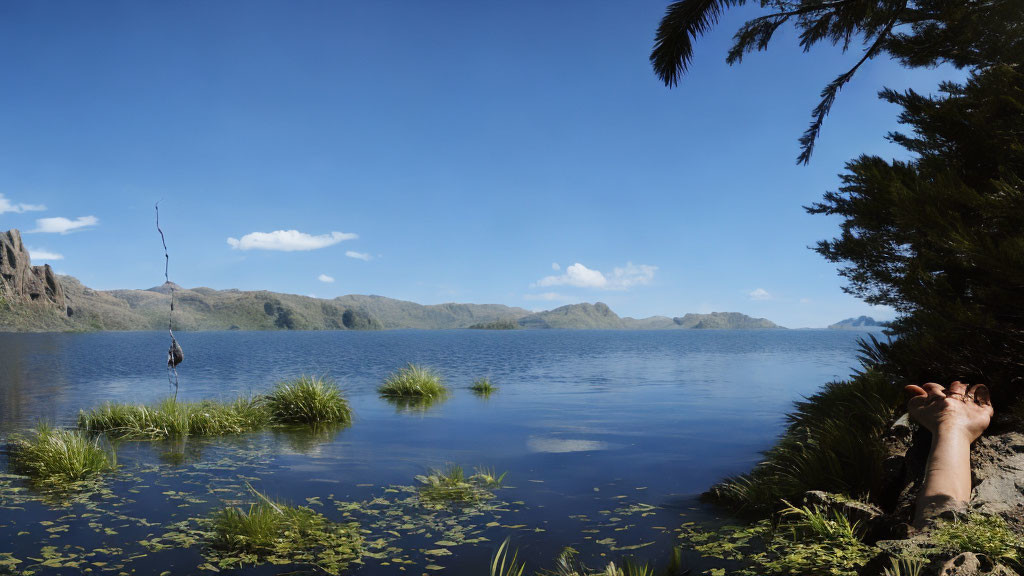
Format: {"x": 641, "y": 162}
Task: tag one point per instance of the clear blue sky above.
{"x": 469, "y": 148}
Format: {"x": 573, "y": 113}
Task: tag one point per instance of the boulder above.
{"x": 20, "y": 281}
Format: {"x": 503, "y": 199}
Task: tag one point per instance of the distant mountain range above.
{"x": 858, "y": 323}
{"x": 33, "y": 298}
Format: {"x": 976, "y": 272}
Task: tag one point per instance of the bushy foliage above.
{"x": 833, "y": 442}
{"x": 59, "y": 455}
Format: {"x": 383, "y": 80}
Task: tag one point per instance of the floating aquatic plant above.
{"x": 450, "y": 484}
{"x": 172, "y": 418}
{"x": 414, "y": 381}
{"x": 307, "y": 400}
{"x": 60, "y": 455}
{"x": 274, "y": 532}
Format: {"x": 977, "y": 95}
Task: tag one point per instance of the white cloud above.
{"x": 35, "y": 254}
{"x": 61, "y": 225}
{"x": 325, "y": 278}
{"x": 555, "y": 266}
{"x": 580, "y": 276}
{"x": 805, "y": 300}
{"x": 288, "y": 240}
{"x": 760, "y": 294}
{"x": 358, "y": 255}
{"x": 547, "y": 296}
{"x": 8, "y": 206}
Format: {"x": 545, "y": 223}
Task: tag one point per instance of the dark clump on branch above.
{"x": 175, "y": 355}
{"x": 971, "y": 34}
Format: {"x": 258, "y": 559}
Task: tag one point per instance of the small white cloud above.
{"x": 358, "y": 255}
{"x": 61, "y": 225}
{"x": 8, "y": 206}
{"x": 288, "y": 240}
{"x": 35, "y": 254}
{"x": 546, "y": 296}
{"x": 760, "y": 294}
{"x": 805, "y": 300}
{"x": 622, "y": 278}
{"x": 325, "y": 278}
{"x": 555, "y": 266}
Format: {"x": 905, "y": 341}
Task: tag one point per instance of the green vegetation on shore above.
{"x": 413, "y": 381}
{"x": 58, "y": 455}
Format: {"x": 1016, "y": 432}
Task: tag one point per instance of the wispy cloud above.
{"x": 546, "y": 296}
{"x": 622, "y": 278}
{"x": 325, "y": 278}
{"x": 61, "y": 225}
{"x": 358, "y": 255}
{"x": 288, "y": 240}
{"x": 39, "y": 254}
{"x": 555, "y": 266}
{"x": 760, "y": 294}
{"x": 8, "y": 206}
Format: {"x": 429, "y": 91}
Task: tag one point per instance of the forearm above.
{"x": 947, "y": 479}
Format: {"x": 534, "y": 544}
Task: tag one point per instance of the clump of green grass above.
{"x": 59, "y": 455}
{"x": 450, "y": 484}
{"x": 483, "y": 387}
{"x": 502, "y": 565}
{"x": 175, "y": 418}
{"x": 414, "y": 381}
{"x": 988, "y": 535}
{"x": 275, "y": 532}
{"x": 307, "y": 400}
{"x": 833, "y": 442}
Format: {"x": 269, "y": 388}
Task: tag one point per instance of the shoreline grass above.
{"x": 413, "y": 381}
{"x": 171, "y": 418}
{"x": 279, "y": 533}
{"x": 307, "y": 400}
{"x": 57, "y": 455}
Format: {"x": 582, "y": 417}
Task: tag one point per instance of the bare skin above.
{"x": 956, "y": 417}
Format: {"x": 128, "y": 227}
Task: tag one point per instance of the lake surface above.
{"x": 608, "y": 439}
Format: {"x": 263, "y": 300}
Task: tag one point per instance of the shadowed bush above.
{"x": 307, "y": 400}
{"x": 274, "y": 532}
{"x": 59, "y": 455}
{"x": 174, "y": 418}
{"x": 833, "y": 442}
{"x": 413, "y": 382}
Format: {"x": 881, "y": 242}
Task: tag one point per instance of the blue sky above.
{"x": 519, "y": 153}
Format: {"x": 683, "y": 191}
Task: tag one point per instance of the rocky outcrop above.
{"x": 20, "y": 281}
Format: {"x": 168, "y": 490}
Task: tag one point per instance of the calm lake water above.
{"x": 608, "y": 438}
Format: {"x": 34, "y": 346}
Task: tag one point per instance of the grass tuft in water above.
{"x": 277, "y": 533}
{"x": 413, "y": 381}
{"x": 483, "y": 387}
{"x": 307, "y": 400}
{"x": 450, "y": 485}
{"x": 502, "y": 565}
{"x": 59, "y": 455}
{"x": 175, "y": 418}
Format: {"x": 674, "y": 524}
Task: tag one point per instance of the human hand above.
{"x": 956, "y": 410}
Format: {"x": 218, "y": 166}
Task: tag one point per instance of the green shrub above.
{"x": 175, "y": 418}
{"x": 59, "y": 455}
{"x": 833, "y": 442}
{"x": 483, "y": 387}
{"x": 413, "y": 382}
{"x": 274, "y": 532}
{"x": 307, "y": 400}
{"x": 988, "y": 535}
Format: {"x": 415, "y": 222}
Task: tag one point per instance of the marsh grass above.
{"x": 175, "y": 418}
{"x": 275, "y": 532}
{"x": 59, "y": 455}
{"x": 307, "y": 400}
{"x": 483, "y": 387}
{"x": 450, "y": 485}
{"x": 833, "y": 442}
{"x": 414, "y": 381}
{"x": 988, "y": 535}
{"x": 502, "y": 565}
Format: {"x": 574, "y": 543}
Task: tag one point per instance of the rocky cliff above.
{"x": 22, "y": 283}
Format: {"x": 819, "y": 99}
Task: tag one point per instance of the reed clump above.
{"x": 483, "y": 387}
{"x": 175, "y": 418}
{"x": 414, "y": 381}
{"x": 307, "y": 400}
{"x": 275, "y": 532}
{"x": 60, "y": 455}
